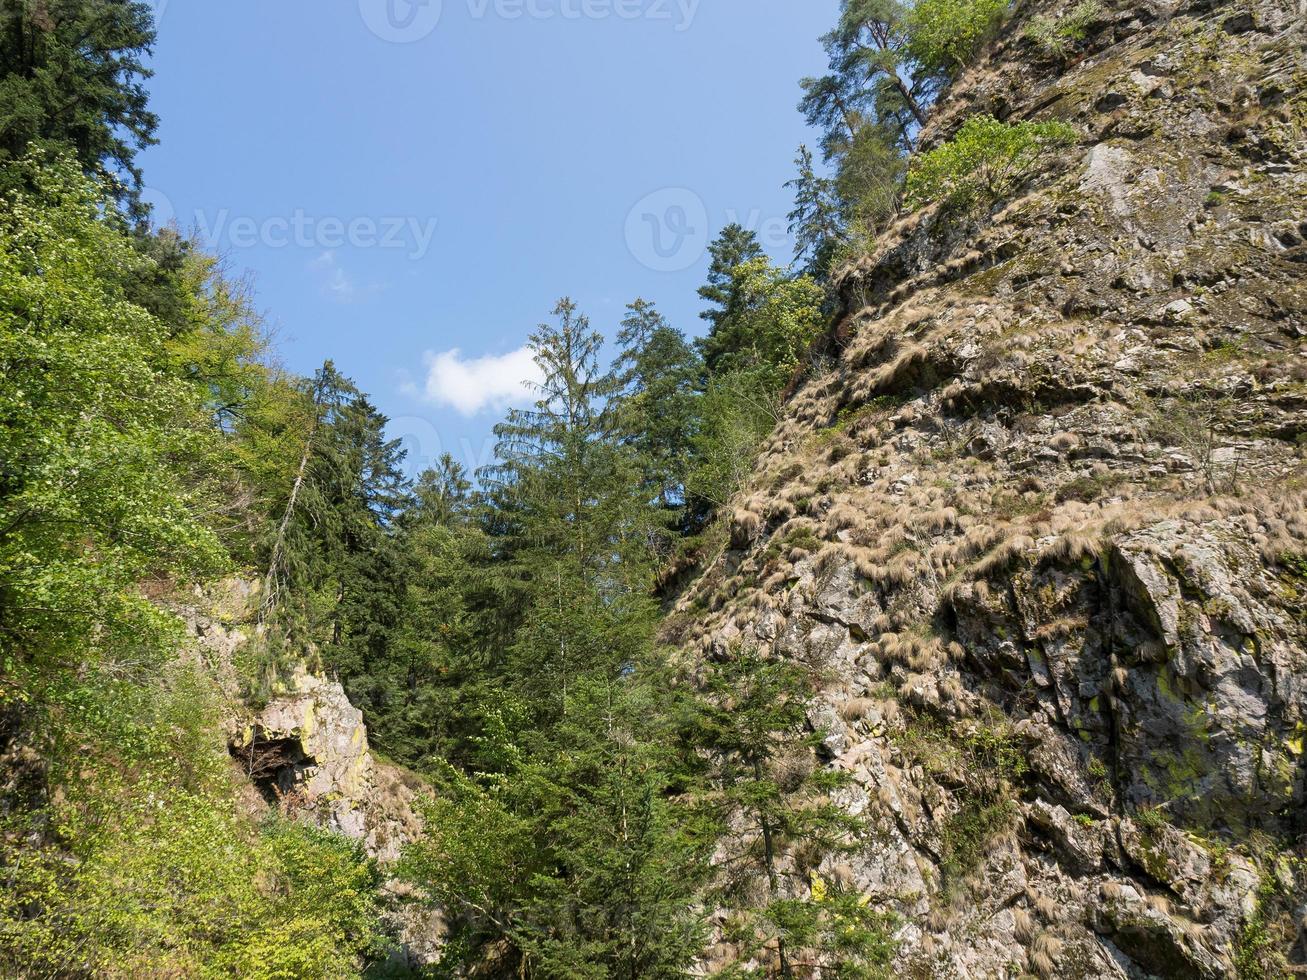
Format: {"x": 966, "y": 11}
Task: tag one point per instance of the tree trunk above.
{"x": 279, "y": 545}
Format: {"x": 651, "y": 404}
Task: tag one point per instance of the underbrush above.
{"x": 130, "y": 855}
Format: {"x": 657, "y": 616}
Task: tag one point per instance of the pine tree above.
{"x": 872, "y": 78}
{"x": 420, "y": 694}
{"x": 869, "y": 106}
{"x": 335, "y": 577}
{"x": 556, "y": 841}
{"x": 72, "y": 72}
{"x": 753, "y": 727}
{"x": 616, "y": 896}
{"x": 773, "y": 320}
{"x": 369, "y": 570}
{"x": 575, "y": 534}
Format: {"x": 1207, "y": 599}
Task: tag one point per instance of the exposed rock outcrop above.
{"x": 305, "y": 753}
{"x": 1041, "y": 524}
{"x": 307, "y": 750}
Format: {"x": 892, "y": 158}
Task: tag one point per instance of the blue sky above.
{"x": 412, "y": 187}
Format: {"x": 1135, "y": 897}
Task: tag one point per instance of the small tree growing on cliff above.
{"x": 986, "y": 160}
{"x": 774, "y": 805}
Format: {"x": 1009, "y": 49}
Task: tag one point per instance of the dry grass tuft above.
{"x": 1023, "y": 924}
{"x": 855, "y": 709}
{"x": 1042, "y": 964}
{"x": 1003, "y": 556}
{"x": 1048, "y": 908}
{"x": 938, "y": 920}
{"x": 1048, "y": 944}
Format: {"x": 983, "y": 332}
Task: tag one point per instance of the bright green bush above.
{"x": 773, "y": 320}
{"x": 127, "y": 855}
{"x": 737, "y": 411}
{"x": 944, "y": 35}
{"x": 986, "y": 160}
{"x": 140, "y": 863}
{"x": 106, "y": 452}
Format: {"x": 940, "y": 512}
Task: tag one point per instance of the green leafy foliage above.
{"x": 142, "y": 861}
{"x": 888, "y": 64}
{"x": 737, "y": 411}
{"x": 111, "y": 461}
{"x": 126, "y": 362}
{"x": 985, "y": 160}
{"x": 944, "y": 35}
{"x": 772, "y": 322}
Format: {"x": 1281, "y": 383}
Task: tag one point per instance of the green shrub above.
{"x": 944, "y": 35}
{"x": 142, "y": 863}
{"x": 1054, "y": 35}
{"x": 737, "y": 412}
{"x": 983, "y": 162}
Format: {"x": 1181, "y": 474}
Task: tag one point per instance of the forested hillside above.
{"x": 937, "y": 610}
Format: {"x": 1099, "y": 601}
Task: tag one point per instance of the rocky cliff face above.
{"x": 306, "y": 750}
{"x": 305, "y": 753}
{"x": 1041, "y": 525}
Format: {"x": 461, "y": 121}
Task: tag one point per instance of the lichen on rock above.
{"x": 1049, "y": 500}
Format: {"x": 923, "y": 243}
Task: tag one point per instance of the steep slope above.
{"x": 1040, "y": 525}
{"x": 305, "y": 754}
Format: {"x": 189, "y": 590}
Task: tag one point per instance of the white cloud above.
{"x": 472, "y": 385}
{"x": 336, "y": 283}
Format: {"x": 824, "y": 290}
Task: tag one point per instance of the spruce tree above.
{"x": 556, "y": 843}
{"x": 421, "y": 692}
{"x": 654, "y": 405}
{"x": 72, "y": 72}
{"x": 753, "y": 728}
{"x": 369, "y": 571}
{"x": 815, "y": 222}
{"x": 773, "y": 320}
{"x": 575, "y": 535}
{"x": 734, "y": 246}
{"x": 335, "y": 577}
